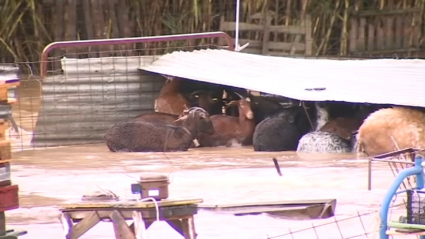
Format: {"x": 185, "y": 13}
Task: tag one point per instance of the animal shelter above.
{"x": 82, "y": 97}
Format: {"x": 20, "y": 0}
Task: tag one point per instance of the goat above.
{"x": 343, "y": 127}
{"x": 211, "y": 101}
{"x": 143, "y": 136}
{"x": 232, "y": 94}
{"x": 229, "y": 129}
{"x": 170, "y": 100}
{"x": 323, "y": 142}
{"x": 281, "y": 132}
{"x": 338, "y": 123}
{"x": 390, "y": 129}
{"x": 262, "y": 106}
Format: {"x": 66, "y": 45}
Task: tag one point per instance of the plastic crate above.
{"x": 9, "y": 198}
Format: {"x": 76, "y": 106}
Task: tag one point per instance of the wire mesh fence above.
{"x": 87, "y": 88}
{"x": 89, "y": 85}
{"x": 363, "y": 225}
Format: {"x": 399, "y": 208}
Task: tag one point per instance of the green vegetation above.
{"x": 27, "y": 26}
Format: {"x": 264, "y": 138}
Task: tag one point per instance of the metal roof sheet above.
{"x": 382, "y": 81}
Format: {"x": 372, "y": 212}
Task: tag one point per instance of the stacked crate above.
{"x": 9, "y": 198}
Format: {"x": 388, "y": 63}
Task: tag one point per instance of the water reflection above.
{"x": 225, "y": 175}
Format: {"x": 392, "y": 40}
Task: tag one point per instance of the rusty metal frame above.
{"x": 132, "y": 40}
{"x": 392, "y": 163}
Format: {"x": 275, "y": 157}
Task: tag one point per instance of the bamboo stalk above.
{"x": 344, "y": 34}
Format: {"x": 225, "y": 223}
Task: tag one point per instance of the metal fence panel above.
{"x": 92, "y": 94}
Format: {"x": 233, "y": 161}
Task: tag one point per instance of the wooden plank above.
{"x": 139, "y": 227}
{"x": 354, "y": 32}
{"x": 71, "y": 26}
{"x": 371, "y": 37}
{"x": 308, "y": 47}
{"x": 3, "y": 93}
{"x": 285, "y": 46}
{"x": 373, "y": 13}
{"x": 59, "y": 30}
{"x": 388, "y": 51}
{"x": 266, "y": 36}
{"x": 389, "y": 34}
{"x": 395, "y": 233}
{"x": 406, "y": 31}
{"x": 148, "y": 214}
{"x": 84, "y": 225}
{"x": 380, "y": 36}
{"x": 231, "y": 26}
{"x": 88, "y": 26}
{"x": 188, "y": 227}
{"x": 272, "y": 203}
{"x": 125, "y": 29}
{"x": 130, "y": 204}
{"x": 122, "y": 231}
{"x": 5, "y": 150}
{"x": 99, "y": 25}
{"x": 398, "y": 32}
{"x": 3, "y": 128}
{"x": 66, "y": 222}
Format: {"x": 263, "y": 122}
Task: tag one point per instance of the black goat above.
{"x": 282, "y": 131}
{"x": 142, "y": 136}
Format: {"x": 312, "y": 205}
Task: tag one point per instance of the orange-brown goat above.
{"x": 170, "y": 100}
{"x": 343, "y": 127}
{"x": 390, "y": 129}
{"x": 229, "y": 129}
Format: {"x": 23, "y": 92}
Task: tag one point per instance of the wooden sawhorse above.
{"x": 79, "y": 218}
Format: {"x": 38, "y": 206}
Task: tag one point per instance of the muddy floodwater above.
{"x": 50, "y": 177}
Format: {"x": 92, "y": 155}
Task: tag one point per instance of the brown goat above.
{"x": 391, "y": 129}
{"x": 210, "y": 101}
{"x": 229, "y": 129}
{"x": 170, "y": 100}
{"x": 343, "y": 127}
{"x": 143, "y": 136}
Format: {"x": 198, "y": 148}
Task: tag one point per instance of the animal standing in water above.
{"x": 142, "y": 136}
{"x": 170, "y": 99}
{"x": 282, "y": 131}
{"x": 390, "y": 129}
{"x": 229, "y": 129}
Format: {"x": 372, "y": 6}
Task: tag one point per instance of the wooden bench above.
{"x": 79, "y": 218}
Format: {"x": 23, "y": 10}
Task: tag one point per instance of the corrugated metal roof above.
{"x": 8, "y": 72}
{"x": 383, "y": 81}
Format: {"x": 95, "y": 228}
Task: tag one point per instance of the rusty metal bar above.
{"x": 380, "y": 158}
{"x": 132, "y": 40}
{"x": 396, "y": 153}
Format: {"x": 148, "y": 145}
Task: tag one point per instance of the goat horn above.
{"x": 197, "y": 92}
{"x": 239, "y": 95}
{"x": 232, "y": 103}
{"x": 196, "y": 108}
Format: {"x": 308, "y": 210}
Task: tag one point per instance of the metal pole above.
{"x": 237, "y": 26}
{"x": 418, "y": 171}
{"x": 369, "y": 175}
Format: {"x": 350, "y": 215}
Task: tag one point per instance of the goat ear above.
{"x": 202, "y": 115}
{"x": 181, "y": 118}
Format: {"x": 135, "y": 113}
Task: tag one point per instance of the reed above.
{"x": 26, "y": 26}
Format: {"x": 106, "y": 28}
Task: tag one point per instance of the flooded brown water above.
{"x": 221, "y": 175}
{"x": 49, "y": 177}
